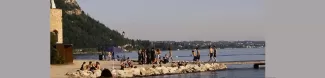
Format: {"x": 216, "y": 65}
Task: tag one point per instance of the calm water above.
{"x": 235, "y": 71}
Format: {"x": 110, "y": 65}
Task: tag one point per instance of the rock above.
{"x": 136, "y": 72}
{"x": 155, "y": 72}
{"x": 106, "y": 73}
{"x": 173, "y": 69}
{"x": 143, "y": 72}
{"x": 164, "y": 70}
{"x": 114, "y": 73}
{"x": 97, "y": 73}
{"x": 181, "y": 69}
{"x": 85, "y": 73}
{"x": 120, "y": 73}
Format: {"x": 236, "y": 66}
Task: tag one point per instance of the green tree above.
{"x": 54, "y": 55}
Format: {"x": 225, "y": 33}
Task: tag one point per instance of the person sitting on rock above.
{"x": 83, "y": 66}
{"x": 92, "y": 67}
{"x": 97, "y": 66}
{"x": 129, "y": 62}
{"x": 123, "y": 65}
{"x": 90, "y": 64}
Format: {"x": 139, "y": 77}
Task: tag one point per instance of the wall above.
{"x": 56, "y": 23}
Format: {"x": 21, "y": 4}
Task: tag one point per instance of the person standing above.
{"x": 144, "y": 56}
{"x": 170, "y": 54}
{"x": 153, "y": 55}
{"x": 194, "y": 55}
{"x": 158, "y": 56}
{"x": 197, "y": 54}
{"x": 109, "y": 56}
{"x": 210, "y": 53}
{"x": 148, "y": 53}
{"x": 215, "y": 53}
{"x": 113, "y": 55}
{"x": 140, "y": 56}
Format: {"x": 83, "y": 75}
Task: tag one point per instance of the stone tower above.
{"x": 56, "y": 21}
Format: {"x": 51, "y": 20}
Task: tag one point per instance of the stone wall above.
{"x": 56, "y": 23}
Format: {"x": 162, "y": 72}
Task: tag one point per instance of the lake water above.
{"x": 234, "y": 71}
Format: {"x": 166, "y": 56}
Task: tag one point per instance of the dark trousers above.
{"x": 140, "y": 59}
{"x": 148, "y": 59}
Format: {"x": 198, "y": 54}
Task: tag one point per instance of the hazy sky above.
{"x": 180, "y": 20}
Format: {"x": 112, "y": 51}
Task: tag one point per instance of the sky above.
{"x": 180, "y": 20}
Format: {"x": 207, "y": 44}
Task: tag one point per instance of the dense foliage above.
{"x": 54, "y": 56}
{"x": 85, "y": 32}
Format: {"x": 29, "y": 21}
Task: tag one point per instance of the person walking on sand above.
{"x": 215, "y": 53}
{"x": 210, "y": 53}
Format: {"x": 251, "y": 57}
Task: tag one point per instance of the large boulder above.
{"x": 97, "y": 73}
{"x": 164, "y": 70}
{"x": 172, "y": 69}
{"x": 106, "y": 73}
{"x": 155, "y": 72}
{"x": 136, "y": 71}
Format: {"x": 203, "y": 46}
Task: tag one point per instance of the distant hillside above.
{"x": 83, "y": 31}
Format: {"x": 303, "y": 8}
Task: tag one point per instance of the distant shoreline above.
{"x": 161, "y": 50}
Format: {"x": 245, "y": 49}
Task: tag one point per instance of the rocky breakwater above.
{"x": 84, "y": 74}
{"x": 162, "y": 70}
{"x": 149, "y": 71}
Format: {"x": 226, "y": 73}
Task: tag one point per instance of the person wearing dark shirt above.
{"x": 194, "y": 55}
{"x": 148, "y": 53}
{"x": 83, "y": 66}
{"x": 210, "y": 53}
{"x": 215, "y": 53}
{"x": 197, "y": 54}
{"x": 153, "y": 55}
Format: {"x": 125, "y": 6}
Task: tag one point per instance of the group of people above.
{"x": 126, "y": 63}
{"x": 90, "y": 66}
{"x": 152, "y": 56}
{"x": 212, "y": 54}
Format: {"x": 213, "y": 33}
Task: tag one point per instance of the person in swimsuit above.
{"x": 197, "y": 54}
{"x": 83, "y": 66}
{"x": 170, "y": 54}
{"x": 91, "y": 66}
{"x": 97, "y": 66}
{"x": 158, "y": 56}
{"x": 215, "y": 53}
{"x": 194, "y": 55}
{"x": 210, "y": 53}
